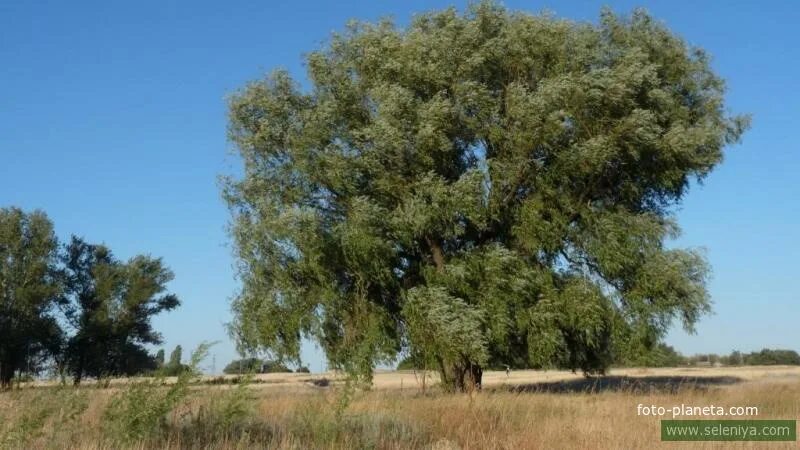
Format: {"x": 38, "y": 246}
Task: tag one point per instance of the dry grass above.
{"x": 525, "y": 410}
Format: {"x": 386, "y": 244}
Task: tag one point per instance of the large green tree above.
{"x": 111, "y": 305}
{"x": 481, "y": 188}
{"x": 29, "y": 291}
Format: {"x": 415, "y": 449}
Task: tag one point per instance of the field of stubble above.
{"x": 521, "y": 410}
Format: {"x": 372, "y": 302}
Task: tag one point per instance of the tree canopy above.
{"x": 29, "y": 291}
{"x": 769, "y": 357}
{"x": 75, "y": 305}
{"x": 483, "y": 188}
{"x": 110, "y": 307}
{"x": 254, "y": 365}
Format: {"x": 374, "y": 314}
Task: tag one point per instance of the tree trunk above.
{"x": 474, "y": 377}
{"x": 79, "y": 370}
{"x": 458, "y": 378}
{"x": 6, "y": 375}
{"x": 464, "y": 376}
{"x": 443, "y": 372}
{"x": 437, "y": 253}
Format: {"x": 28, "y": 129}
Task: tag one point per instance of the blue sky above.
{"x": 112, "y": 120}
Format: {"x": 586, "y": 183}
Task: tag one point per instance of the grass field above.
{"x": 526, "y": 409}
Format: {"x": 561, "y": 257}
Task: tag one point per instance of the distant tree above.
{"x": 243, "y": 366}
{"x": 160, "y": 357}
{"x": 255, "y": 365}
{"x": 174, "y": 366}
{"x": 481, "y": 188}
{"x": 274, "y": 367}
{"x": 769, "y": 357}
{"x": 407, "y": 363}
{"x": 176, "y": 356}
{"x": 111, "y": 304}
{"x": 29, "y": 292}
{"x": 661, "y": 355}
{"x": 736, "y": 358}
{"x": 666, "y": 356}
{"x": 302, "y": 369}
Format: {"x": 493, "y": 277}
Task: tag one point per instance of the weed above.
{"x": 140, "y": 411}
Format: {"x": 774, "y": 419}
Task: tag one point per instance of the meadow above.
{"x": 519, "y": 410}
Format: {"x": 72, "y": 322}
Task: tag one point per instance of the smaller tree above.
{"x": 160, "y": 357}
{"x": 29, "y": 292}
{"x": 175, "y": 367}
{"x": 111, "y": 304}
{"x": 176, "y": 356}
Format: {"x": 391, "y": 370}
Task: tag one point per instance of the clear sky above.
{"x": 112, "y": 120}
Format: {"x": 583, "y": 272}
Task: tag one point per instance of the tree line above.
{"x": 665, "y": 356}
{"x": 258, "y": 365}
{"x": 74, "y": 307}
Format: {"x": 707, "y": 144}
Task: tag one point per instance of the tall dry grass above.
{"x": 569, "y": 416}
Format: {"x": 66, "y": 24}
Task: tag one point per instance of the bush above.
{"x": 172, "y": 370}
{"x": 49, "y": 415}
{"x": 139, "y": 412}
{"x": 226, "y": 415}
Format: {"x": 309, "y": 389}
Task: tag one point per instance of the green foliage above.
{"x": 139, "y": 412}
{"x": 229, "y": 415}
{"x": 104, "y": 303}
{"x": 661, "y": 355}
{"x": 160, "y": 357}
{"x": 409, "y": 363}
{"x": 490, "y": 187}
{"x": 667, "y": 356}
{"x": 768, "y": 357}
{"x": 174, "y": 366}
{"x": 274, "y": 367}
{"x": 254, "y": 365}
{"x": 48, "y": 414}
{"x": 29, "y": 292}
{"x": 242, "y": 366}
{"x": 176, "y": 356}
{"x": 444, "y": 326}
{"x": 151, "y": 411}
{"x": 111, "y": 304}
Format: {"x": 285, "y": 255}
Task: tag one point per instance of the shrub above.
{"x": 48, "y": 415}
{"x": 225, "y": 415}
{"x": 140, "y": 411}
